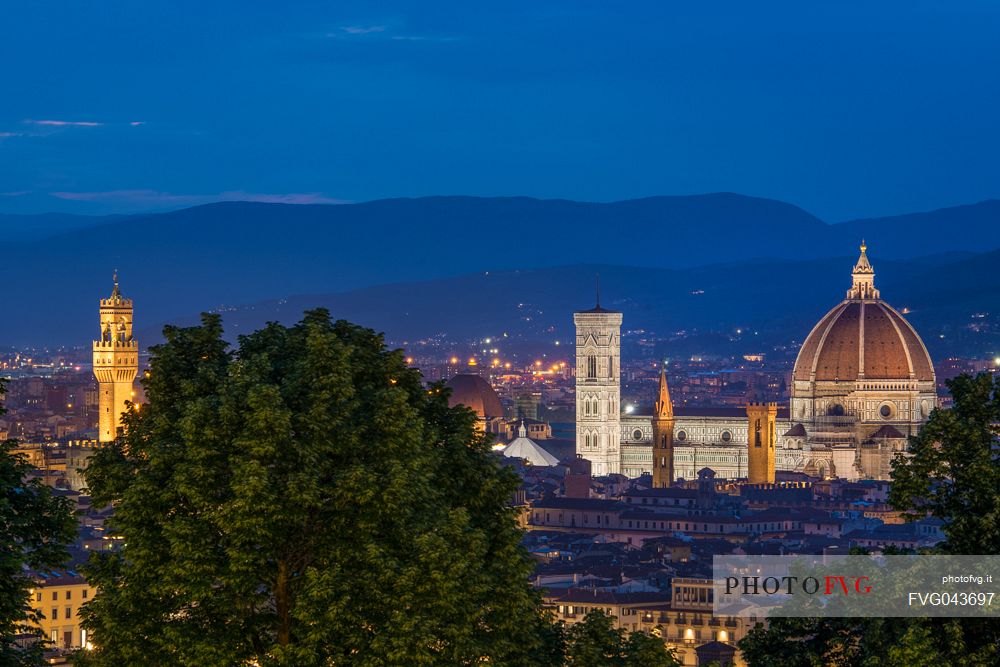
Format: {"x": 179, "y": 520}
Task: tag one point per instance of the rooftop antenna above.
{"x": 597, "y": 281}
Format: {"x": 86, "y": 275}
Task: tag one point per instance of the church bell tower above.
{"x": 663, "y": 437}
{"x": 116, "y": 362}
{"x": 762, "y": 418}
{"x": 598, "y": 388}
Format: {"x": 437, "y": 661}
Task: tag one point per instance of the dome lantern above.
{"x": 863, "y": 278}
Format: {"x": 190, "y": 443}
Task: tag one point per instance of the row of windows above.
{"x": 55, "y": 595}
{"x": 584, "y": 610}
{"x": 682, "y": 435}
{"x": 592, "y": 404}
{"x": 55, "y": 613}
{"x": 586, "y": 518}
{"x": 663, "y": 501}
{"x": 672, "y": 525}
{"x": 594, "y": 440}
{"x": 694, "y": 594}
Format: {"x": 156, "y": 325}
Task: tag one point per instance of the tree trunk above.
{"x": 283, "y": 604}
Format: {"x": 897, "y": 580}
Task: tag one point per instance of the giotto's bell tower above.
{"x": 598, "y": 388}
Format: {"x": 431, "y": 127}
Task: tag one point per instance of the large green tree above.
{"x": 596, "y": 642}
{"x": 305, "y": 500}
{"x": 35, "y": 526}
{"x": 952, "y": 471}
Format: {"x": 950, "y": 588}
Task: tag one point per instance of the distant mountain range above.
{"x": 747, "y": 306}
{"x": 418, "y": 266}
{"x": 19, "y": 228}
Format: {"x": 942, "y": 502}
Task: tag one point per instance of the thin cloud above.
{"x": 291, "y": 198}
{"x": 156, "y": 198}
{"x": 423, "y": 38}
{"x": 362, "y": 30}
{"x": 137, "y": 123}
{"x": 385, "y": 32}
{"x": 7, "y": 135}
{"x": 64, "y": 123}
{"x": 144, "y": 197}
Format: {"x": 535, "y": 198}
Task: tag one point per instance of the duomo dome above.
{"x": 863, "y": 362}
{"x": 474, "y": 392}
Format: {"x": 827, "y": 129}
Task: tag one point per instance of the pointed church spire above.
{"x": 863, "y": 277}
{"x": 597, "y": 286}
{"x": 664, "y": 406}
{"x": 663, "y": 436}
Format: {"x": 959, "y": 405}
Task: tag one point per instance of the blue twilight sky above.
{"x": 846, "y": 108}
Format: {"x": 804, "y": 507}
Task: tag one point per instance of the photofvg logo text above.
{"x": 789, "y": 585}
{"x": 855, "y": 586}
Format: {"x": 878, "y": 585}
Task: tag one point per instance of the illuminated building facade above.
{"x": 761, "y": 428}
{"x": 57, "y": 597}
{"x": 862, "y": 383}
{"x": 663, "y": 436}
{"x": 116, "y": 362}
{"x": 598, "y": 388}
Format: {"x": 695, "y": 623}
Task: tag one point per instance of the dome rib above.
{"x": 922, "y": 365}
{"x": 906, "y": 348}
{"x": 813, "y": 345}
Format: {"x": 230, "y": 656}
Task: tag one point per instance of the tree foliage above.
{"x": 35, "y": 526}
{"x": 305, "y": 500}
{"x": 952, "y": 472}
{"x": 871, "y": 642}
{"x": 596, "y": 642}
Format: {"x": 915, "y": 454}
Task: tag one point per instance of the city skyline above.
{"x": 532, "y": 334}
